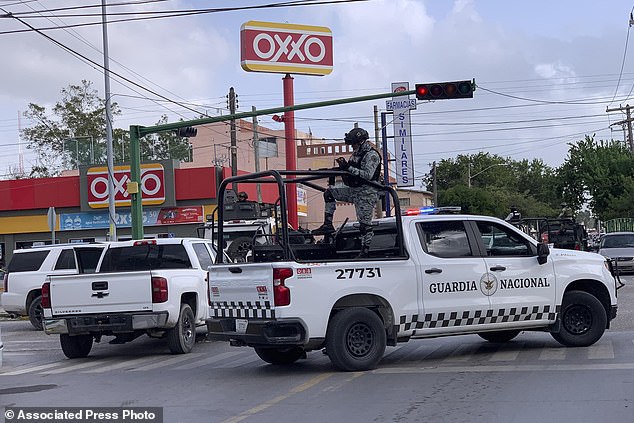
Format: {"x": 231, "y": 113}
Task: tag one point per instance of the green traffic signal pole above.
{"x": 136, "y": 132}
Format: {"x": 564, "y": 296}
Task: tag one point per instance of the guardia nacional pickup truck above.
{"x": 427, "y": 276}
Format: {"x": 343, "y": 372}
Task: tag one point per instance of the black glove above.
{"x": 343, "y": 164}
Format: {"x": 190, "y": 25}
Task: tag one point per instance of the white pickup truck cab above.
{"x": 450, "y": 275}
{"x": 155, "y": 287}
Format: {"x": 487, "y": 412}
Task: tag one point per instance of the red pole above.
{"x": 291, "y": 149}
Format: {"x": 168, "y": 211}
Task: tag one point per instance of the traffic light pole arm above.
{"x": 137, "y": 132}
{"x": 145, "y": 130}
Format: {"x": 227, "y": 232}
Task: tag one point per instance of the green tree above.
{"x": 600, "y": 173}
{"x": 75, "y": 134}
{"x": 496, "y": 184}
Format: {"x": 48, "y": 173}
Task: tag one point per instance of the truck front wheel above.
{"x": 280, "y": 356}
{"x": 582, "y": 320}
{"x": 182, "y": 337}
{"x": 77, "y": 346}
{"x": 355, "y": 339}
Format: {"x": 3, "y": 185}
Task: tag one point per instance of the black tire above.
{"x": 280, "y": 356}
{"x": 239, "y": 249}
{"x": 500, "y": 336}
{"x": 182, "y": 337}
{"x": 36, "y": 313}
{"x": 582, "y": 319}
{"x": 355, "y": 339}
{"x": 77, "y": 346}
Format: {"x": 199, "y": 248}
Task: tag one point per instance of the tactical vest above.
{"x": 355, "y": 181}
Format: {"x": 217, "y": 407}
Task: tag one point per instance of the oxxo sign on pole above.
{"x": 289, "y": 49}
{"x": 403, "y": 153}
{"x": 285, "y": 48}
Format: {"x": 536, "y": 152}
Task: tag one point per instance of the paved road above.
{"x": 460, "y": 378}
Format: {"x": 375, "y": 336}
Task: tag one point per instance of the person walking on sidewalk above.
{"x": 364, "y": 165}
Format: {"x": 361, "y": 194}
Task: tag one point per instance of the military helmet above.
{"x": 356, "y": 135}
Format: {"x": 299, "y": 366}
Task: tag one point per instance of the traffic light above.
{"x": 445, "y": 90}
{"x": 188, "y": 131}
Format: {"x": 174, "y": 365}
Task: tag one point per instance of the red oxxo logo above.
{"x": 286, "y": 48}
{"x": 152, "y": 185}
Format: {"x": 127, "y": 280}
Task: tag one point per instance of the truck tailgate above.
{"x": 101, "y": 293}
{"x": 241, "y": 290}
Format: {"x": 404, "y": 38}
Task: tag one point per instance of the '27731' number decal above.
{"x": 364, "y": 272}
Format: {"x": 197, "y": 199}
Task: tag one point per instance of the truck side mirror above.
{"x": 542, "y": 252}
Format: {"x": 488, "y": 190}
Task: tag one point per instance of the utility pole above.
{"x": 110, "y": 153}
{"x": 256, "y": 152}
{"x": 628, "y": 121}
{"x": 434, "y": 186}
{"x": 377, "y": 141}
{"x": 234, "y": 141}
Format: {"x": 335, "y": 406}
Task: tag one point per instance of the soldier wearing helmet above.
{"x": 364, "y": 165}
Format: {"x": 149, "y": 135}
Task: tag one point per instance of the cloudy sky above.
{"x": 546, "y": 71}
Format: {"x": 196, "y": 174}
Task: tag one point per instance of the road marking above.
{"x": 304, "y": 386}
{"x": 32, "y": 369}
{"x": 506, "y": 368}
{"x": 209, "y": 360}
{"x": 239, "y": 362}
{"x": 552, "y": 354}
{"x": 461, "y": 354}
{"x": 89, "y": 363}
{"x": 167, "y": 362}
{"x": 19, "y": 353}
{"x": 601, "y": 351}
{"x": 125, "y": 363}
{"x": 508, "y": 355}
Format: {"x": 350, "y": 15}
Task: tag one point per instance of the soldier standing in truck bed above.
{"x": 364, "y": 165}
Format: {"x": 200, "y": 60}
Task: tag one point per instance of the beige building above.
{"x": 212, "y": 147}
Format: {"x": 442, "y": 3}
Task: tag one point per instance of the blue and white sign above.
{"x": 401, "y": 103}
{"x": 403, "y": 151}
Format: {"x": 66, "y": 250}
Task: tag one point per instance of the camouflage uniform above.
{"x": 365, "y": 164}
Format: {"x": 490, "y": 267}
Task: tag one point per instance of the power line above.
{"x": 171, "y": 14}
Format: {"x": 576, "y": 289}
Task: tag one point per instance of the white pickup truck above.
{"x": 156, "y": 287}
{"x": 426, "y": 276}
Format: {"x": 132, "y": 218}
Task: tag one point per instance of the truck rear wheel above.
{"x": 280, "y": 355}
{"x": 500, "y": 336}
{"x": 182, "y": 337}
{"x": 355, "y": 339}
{"x": 582, "y": 320}
{"x": 36, "y": 312}
{"x": 77, "y": 346}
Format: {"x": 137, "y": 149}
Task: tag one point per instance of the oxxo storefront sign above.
{"x": 286, "y": 48}
{"x": 152, "y": 185}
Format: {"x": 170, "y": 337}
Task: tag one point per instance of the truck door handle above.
{"x": 235, "y": 269}
{"x": 433, "y": 270}
{"x": 100, "y": 286}
{"x": 497, "y": 268}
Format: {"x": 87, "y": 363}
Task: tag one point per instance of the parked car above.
{"x": 620, "y": 247}
{"x": 29, "y": 267}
